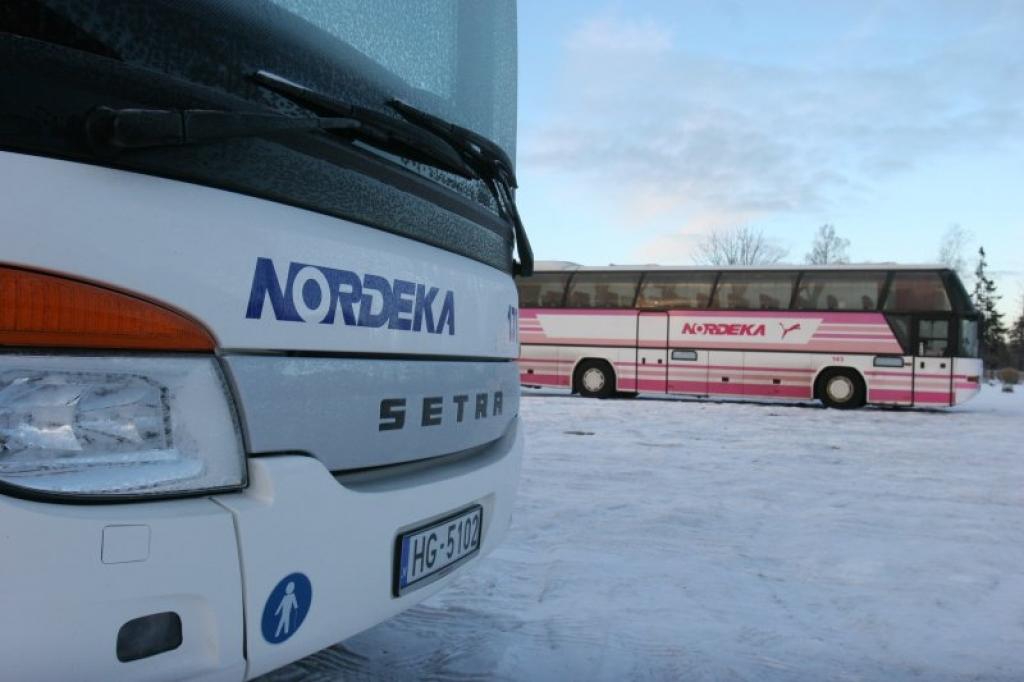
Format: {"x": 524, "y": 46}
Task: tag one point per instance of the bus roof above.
{"x": 568, "y": 266}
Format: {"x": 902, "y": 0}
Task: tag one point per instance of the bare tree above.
{"x": 738, "y": 246}
{"x": 828, "y": 247}
{"x": 951, "y": 250}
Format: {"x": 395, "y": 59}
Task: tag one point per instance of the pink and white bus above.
{"x": 847, "y": 335}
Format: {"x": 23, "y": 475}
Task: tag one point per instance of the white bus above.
{"x": 258, "y": 388}
{"x": 848, "y": 335}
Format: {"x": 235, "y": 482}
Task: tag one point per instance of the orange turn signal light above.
{"x": 39, "y": 310}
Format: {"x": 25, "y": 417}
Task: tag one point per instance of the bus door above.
{"x": 933, "y": 361}
{"x": 652, "y": 352}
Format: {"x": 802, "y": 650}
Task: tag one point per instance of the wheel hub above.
{"x": 593, "y": 380}
{"x": 840, "y": 389}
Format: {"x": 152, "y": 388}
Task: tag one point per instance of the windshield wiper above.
{"x": 377, "y": 130}
{"x": 111, "y": 131}
{"x": 484, "y": 159}
{"x": 492, "y": 165}
{"x": 417, "y": 136}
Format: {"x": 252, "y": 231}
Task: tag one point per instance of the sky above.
{"x": 644, "y": 125}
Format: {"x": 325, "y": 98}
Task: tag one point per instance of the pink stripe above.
{"x": 759, "y": 390}
{"x": 825, "y": 317}
{"x": 879, "y": 346}
{"x": 931, "y": 397}
{"x": 886, "y": 395}
{"x": 892, "y": 383}
{"x": 856, "y": 328}
{"x": 597, "y": 312}
{"x": 582, "y": 341}
{"x": 699, "y": 367}
{"x": 545, "y": 379}
{"x": 678, "y": 386}
{"x": 764, "y": 369}
{"x": 835, "y": 346}
{"x": 862, "y": 337}
{"x": 840, "y": 318}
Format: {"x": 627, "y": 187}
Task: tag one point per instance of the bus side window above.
{"x": 839, "y": 290}
{"x": 603, "y": 289}
{"x": 544, "y": 290}
{"x": 917, "y": 292}
{"x": 676, "y": 290}
{"x": 754, "y": 290}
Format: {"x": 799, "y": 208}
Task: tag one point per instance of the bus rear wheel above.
{"x": 842, "y": 389}
{"x": 595, "y": 379}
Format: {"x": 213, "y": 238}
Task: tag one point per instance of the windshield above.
{"x": 453, "y": 60}
{"x": 460, "y": 56}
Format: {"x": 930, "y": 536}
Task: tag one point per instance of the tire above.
{"x": 595, "y": 379}
{"x": 842, "y": 389}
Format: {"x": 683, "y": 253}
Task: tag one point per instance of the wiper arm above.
{"x": 377, "y": 129}
{"x": 491, "y": 164}
{"x": 113, "y": 130}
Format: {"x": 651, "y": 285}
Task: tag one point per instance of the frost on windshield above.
{"x": 461, "y": 56}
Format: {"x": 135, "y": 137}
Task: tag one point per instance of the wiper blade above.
{"x": 491, "y": 164}
{"x": 478, "y": 148}
{"x": 112, "y": 130}
{"x": 378, "y": 130}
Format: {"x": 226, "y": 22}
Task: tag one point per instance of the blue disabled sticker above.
{"x": 286, "y": 608}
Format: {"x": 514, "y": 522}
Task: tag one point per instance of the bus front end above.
{"x": 258, "y": 388}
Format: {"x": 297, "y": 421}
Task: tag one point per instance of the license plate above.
{"x": 431, "y": 551}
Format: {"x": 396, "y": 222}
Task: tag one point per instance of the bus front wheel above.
{"x": 595, "y": 379}
{"x": 842, "y": 389}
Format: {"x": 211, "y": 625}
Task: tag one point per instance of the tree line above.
{"x": 1001, "y": 345}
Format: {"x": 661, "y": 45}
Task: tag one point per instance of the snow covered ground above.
{"x": 680, "y": 539}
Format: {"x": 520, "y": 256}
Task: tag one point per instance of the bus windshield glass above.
{"x": 458, "y": 60}
{"x": 386, "y": 114}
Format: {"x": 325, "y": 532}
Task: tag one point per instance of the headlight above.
{"x": 86, "y": 426}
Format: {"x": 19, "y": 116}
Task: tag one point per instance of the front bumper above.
{"x": 72, "y": 575}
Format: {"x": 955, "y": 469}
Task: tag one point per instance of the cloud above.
{"x": 673, "y": 131}
{"x": 605, "y": 33}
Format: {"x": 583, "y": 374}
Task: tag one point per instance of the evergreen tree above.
{"x": 992, "y": 330}
{"x": 1016, "y": 338}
